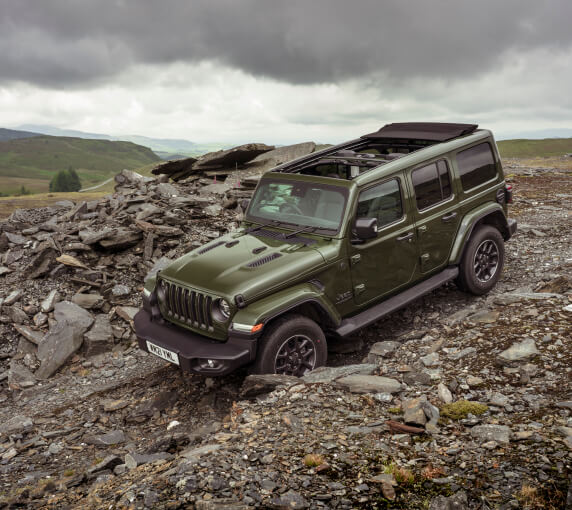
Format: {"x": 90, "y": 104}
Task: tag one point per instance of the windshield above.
{"x": 302, "y": 204}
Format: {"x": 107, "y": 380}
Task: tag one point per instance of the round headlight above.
{"x": 224, "y": 308}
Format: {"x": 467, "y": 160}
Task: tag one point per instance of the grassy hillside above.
{"x": 32, "y": 162}
{"x": 12, "y": 134}
{"x": 535, "y": 148}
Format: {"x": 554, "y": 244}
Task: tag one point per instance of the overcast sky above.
{"x": 284, "y": 71}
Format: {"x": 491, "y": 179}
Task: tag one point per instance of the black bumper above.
{"x": 194, "y": 350}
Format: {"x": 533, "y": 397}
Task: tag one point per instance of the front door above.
{"x": 436, "y": 215}
{"x": 387, "y": 262}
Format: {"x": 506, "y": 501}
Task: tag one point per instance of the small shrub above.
{"x": 460, "y": 409}
{"x": 313, "y": 460}
{"x": 401, "y": 474}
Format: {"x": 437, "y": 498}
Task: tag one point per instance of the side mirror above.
{"x": 366, "y": 228}
{"x": 244, "y": 204}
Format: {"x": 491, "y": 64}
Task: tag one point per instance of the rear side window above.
{"x": 432, "y": 184}
{"x": 476, "y": 165}
{"x": 382, "y": 202}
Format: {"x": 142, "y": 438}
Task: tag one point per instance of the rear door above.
{"x": 436, "y": 213}
{"x": 387, "y": 262}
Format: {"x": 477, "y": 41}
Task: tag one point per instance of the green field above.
{"x": 33, "y": 162}
{"x": 535, "y": 148}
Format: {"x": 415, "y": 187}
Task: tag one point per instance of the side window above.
{"x": 431, "y": 183}
{"x": 382, "y": 202}
{"x": 476, "y": 165}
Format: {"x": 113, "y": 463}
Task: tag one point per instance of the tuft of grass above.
{"x": 460, "y": 409}
{"x": 402, "y": 475}
{"x": 69, "y": 472}
{"x": 395, "y": 410}
{"x": 313, "y": 460}
{"x": 529, "y": 497}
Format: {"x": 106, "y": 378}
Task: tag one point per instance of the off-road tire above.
{"x": 292, "y": 345}
{"x": 482, "y": 261}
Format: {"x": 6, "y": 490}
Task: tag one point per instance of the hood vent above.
{"x": 279, "y": 235}
{"x": 264, "y": 260}
{"x": 211, "y": 247}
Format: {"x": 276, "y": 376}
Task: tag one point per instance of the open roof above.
{"x": 430, "y": 131}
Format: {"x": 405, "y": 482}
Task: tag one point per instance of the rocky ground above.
{"x": 455, "y": 402}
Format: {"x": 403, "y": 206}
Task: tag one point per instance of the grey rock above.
{"x": 167, "y": 190}
{"x": 4, "y": 270}
{"x": 88, "y": 236}
{"x": 127, "y": 313}
{"x": 474, "y": 381}
{"x": 498, "y": 433}
{"x": 444, "y": 393}
{"x": 121, "y": 240}
{"x": 100, "y": 337}
{"x": 16, "y": 238}
{"x": 217, "y": 188}
{"x": 498, "y": 399}
{"x": 385, "y": 348}
{"x": 370, "y": 384}
{"x": 18, "y": 315}
{"x": 258, "y": 384}
{"x": 131, "y": 177}
{"x": 520, "y": 351}
{"x": 330, "y": 374}
{"x": 431, "y": 360}
{"x": 55, "y": 448}
{"x": 484, "y": 317}
{"x": 108, "y": 462}
{"x": 162, "y": 263}
{"x": 417, "y": 378}
{"x": 14, "y": 296}
{"x": 29, "y": 334}
{"x": 516, "y": 297}
{"x": 120, "y": 290}
{"x": 193, "y": 454}
{"x": 132, "y": 460}
{"x": 413, "y": 413}
{"x": 456, "y": 502}
{"x": 40, "y": 319}
{"x": 463, "y": 353}
{"x": 290, "y": 500}
{"x": 148, "y": 210}
{"x": 19, "y": 376}
{"x": 213, "y": 210}
{"x": 64, "y": 339}
{"x": 230, "y": 158}
{"x": 16, "y": 424}
{"x": 270, "y": 159}
{"x": 111, "y": 438}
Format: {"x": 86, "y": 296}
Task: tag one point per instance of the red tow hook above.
{"x": 508, "y": 193}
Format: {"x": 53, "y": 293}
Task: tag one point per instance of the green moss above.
{"x": 460, "y": 409}
{"x": 395, "y": 410}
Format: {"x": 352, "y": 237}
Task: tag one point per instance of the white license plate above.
{"x": 166, "y": 354}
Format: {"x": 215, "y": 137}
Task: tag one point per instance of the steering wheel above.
{"x": 289, "y": 208}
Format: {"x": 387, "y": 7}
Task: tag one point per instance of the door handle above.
{"x": 449, "y": 217}
{"x": 406, "y": 237}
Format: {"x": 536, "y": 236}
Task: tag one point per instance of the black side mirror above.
{"x": 244, "y": 204}
{"x": 366, "y": 228}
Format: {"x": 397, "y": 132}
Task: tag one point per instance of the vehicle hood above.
{"x": 246, "y": 264}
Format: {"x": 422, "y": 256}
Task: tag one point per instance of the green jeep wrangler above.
{"x": 330, "y": 243}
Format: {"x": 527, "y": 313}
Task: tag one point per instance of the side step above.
{"x": 369, "y": 316}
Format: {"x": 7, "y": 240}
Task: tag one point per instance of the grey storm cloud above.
{"x": 57, "y": 43}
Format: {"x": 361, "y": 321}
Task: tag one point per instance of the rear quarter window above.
{"x": 476, "y": 165}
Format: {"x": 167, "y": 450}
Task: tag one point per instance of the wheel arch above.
{"x": 492, "y": 215}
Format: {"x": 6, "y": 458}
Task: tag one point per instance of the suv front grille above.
{"x": 186, "y": 305}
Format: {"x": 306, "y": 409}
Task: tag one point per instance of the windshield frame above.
{"x": 292, "y": 225}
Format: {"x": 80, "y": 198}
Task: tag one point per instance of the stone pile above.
{"x": 454, "y": 402}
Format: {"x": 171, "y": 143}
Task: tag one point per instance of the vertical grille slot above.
{"x": 187, "y": 305}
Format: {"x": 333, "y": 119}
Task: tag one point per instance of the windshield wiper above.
{"x": 303, "y": 229}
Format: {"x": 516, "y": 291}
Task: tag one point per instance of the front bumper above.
{"x": 194, "y": 350}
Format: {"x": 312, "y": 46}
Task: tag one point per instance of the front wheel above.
{"x": 292, "y": 345}
{"x": 482, "y": 261}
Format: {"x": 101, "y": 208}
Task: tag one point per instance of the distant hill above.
{"x": 32, "y": 162}
{"x": 12, "y": 134}
{"x": 165, "y": 147}
{"x": 523, "y": 148}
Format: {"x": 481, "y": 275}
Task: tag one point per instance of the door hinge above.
{"x": 355, "y": 259}
{"x": 425, "y": 258}
{"x": 358, "y": 289}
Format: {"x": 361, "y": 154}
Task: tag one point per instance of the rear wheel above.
{"x": 292, "y": 345}
{"x": 482, "y": 261}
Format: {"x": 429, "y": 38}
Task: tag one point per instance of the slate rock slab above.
{"x": 498, "y": 433}
{"x": 520, "y": 351}
{"x": 370, "y": 384}
{"x": 64, "y": 339}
